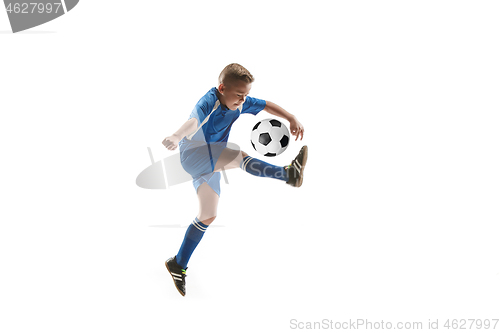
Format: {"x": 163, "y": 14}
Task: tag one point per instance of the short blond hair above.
{"x": 234, "y": 72}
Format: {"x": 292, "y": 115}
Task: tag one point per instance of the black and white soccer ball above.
{"x": 270, "y": 137}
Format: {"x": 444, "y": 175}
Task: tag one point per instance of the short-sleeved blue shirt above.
{"x": 217, "y": 119}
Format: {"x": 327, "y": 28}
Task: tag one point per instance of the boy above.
{"x": 202, "y": 141}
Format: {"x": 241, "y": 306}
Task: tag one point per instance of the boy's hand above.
{"x": 296, "y": 128}
{"x": 171, "y": 142}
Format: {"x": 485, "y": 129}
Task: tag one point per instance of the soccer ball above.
{"x": 270, "y": 137}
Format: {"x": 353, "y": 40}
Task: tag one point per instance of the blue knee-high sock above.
{"x": 262, "y": 169}
{"x": 193, "y": 236}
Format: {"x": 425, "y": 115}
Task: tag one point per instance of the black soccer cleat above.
{"x": 295, "y": 170}
{"x": 178, "y": 275}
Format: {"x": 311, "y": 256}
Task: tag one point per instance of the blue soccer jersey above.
{"x": 216, "y": 119}
{"x": 199, "y": 151}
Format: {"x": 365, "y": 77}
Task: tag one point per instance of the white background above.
{"x": 398, "y": 216}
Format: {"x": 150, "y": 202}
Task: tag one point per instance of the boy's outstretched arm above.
{"x": 171, "y": 142}
{"x": 295, "y": 126}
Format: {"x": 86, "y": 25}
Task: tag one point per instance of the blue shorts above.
{"x": 212, "y": 179}
{"x": 199, "y": 160}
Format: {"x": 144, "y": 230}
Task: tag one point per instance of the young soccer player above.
{"x": 202, "y": 141}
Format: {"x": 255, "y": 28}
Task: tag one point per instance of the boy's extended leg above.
{"x": 260, "y": 168}
{"x": 177, "y": 265}
{"x": 292, "y": 174}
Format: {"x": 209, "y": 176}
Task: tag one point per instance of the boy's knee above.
{"x": 208, "y": 221}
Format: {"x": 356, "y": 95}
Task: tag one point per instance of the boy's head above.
{"x": 235, "y": 72}
{"x": 235, "y": 82}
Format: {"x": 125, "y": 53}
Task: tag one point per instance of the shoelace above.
{"x": 294, "y": 164}
{"x": 179, "y": 277}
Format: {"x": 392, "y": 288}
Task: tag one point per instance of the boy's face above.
{"x": 234, "y": 94}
